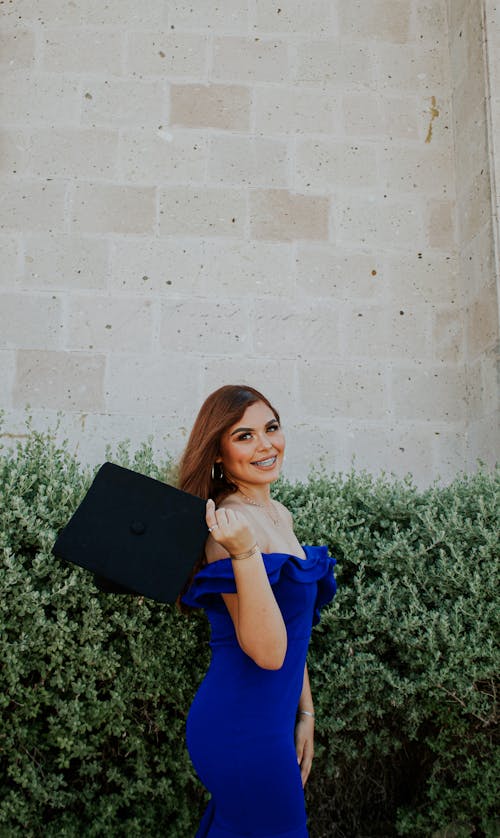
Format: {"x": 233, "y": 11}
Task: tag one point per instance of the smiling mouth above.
{"x": 268, "y": 463}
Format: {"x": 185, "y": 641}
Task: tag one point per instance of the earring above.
{"x": 221, "y": 475}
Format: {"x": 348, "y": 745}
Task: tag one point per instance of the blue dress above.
{"x": 240, "y": 728}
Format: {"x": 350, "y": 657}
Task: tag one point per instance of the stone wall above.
{"x": 293, "y": 195}
{"x": 474, "y": 59}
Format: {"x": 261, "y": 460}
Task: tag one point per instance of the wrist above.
{"x": 245, "y": 554}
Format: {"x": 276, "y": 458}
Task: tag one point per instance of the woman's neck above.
{"x": 258, "y": 494}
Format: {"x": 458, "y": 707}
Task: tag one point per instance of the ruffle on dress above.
{"x": 218, "y": 577}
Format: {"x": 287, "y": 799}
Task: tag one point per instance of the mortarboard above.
{"x": 136, "y": 534}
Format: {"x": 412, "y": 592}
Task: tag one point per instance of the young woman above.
{"x": 251, "y": 725}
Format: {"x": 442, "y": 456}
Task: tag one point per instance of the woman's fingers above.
{"x": 229, "y": 528}
{"x": 210, "y": 514}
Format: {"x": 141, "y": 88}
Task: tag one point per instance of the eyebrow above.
{"x": 240, "y": 430}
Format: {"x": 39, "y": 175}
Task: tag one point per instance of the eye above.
{"x": 274, "y": 427}
{"x": 244, "y": 436}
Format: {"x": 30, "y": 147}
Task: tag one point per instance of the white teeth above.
{"x": 266, "y": 462}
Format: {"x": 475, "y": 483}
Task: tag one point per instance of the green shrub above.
{"x": 95, "y": 688}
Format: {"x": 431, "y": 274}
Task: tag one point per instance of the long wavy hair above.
{"x": 199, "y": 473}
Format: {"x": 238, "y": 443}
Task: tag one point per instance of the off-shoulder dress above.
{"x": 240, "y": 727}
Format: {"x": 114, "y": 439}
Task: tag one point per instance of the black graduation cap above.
{"x": 136, "y": 534}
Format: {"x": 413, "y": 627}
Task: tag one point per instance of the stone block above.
{"x": 422, "y": 68}
{"x": 251, "y": 161}
{"x": 471, "y": 151}
{"x": 109, "y": 323}
{"x": 396, "y": 450}
{"x": 59, "y": 380}
{"x": 123, "y": 102}
{"x": 483, "y": 386}
{"x": 348, "y": 390}
{"x": 38, "y": 99}
{"x": 493, "y": 51}
{"x": 430, "y": 20}
{"x": 425, "y": 168}
{"x": 11, "y": 261}
{"x": 338, "y": 273}
{"x": 297, "y": 330}
{"x": 250, "y": 60}
{"x": 160, "y": 156}
{"x": 204, "y": 326}
{"x": 406, "y": 117}
{"x": 276, "y": 214}
{"x": 294, "y": 17}
{"x": 325, "y": 165}
{"x": 385, "y": 223}
{"x": 441, "y": 224}
{"x": 332, "y": 62}
{"x": 385, "y": 20}
{"x": 17, "y": 48}
{"x": 275, "y": 379}
{"x": 474, "y": 206}
{"x": 450, "y": 453}
{"x": 166, "y": 385}
{"x": 7, "y": 374}
{"x": 288, "y": 110}
{"x": 466, "y": 44}
{"x": 64, "y": 261}
{"x": 30, "y": 321}
{"x": 483, "y": 441}
{"x": 90, "y": 434}
{"x": 482, "y": 326}
{"x": 14, "y": 152}
{"x": 62, "y": 50}
{"x": 384, "y": 332}
{"x": 248, "y": 269}
{"x": 113, "y": 208}
{"x": 223, "y": 106}
{"x": 33, "y": 205}
{"x": 362, "y": 114}
{"x": 151, "y": 266}
{"x": 312, "y": 445}
{"x": 448, "y": 337}
{"x": 90, "y": 13}
{"x": 167, "y": 53}
{"x": 202, "y": 211}
{"x": 225, "y": 17}
{"x": 432, "y": 394}
{"x": 73, "y": 153}
{"x": 477, "y": 263}
{"x": 422, "y": 277}
{"x": 469, "y": 103}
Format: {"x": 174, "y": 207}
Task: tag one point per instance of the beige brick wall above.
{"x": 299, "y": 196}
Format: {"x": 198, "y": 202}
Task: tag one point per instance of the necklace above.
{"x": 276, "y": 521}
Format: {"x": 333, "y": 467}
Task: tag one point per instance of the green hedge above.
{"x": 95, "y": 688}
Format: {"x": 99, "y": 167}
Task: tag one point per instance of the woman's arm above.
{"x": 257, "y": 619}
{"x": 304, "y": 729}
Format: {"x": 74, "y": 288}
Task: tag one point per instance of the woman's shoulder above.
{"x": 284, "y": 509}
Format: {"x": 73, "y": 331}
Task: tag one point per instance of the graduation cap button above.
{"x": 137, "y": 527}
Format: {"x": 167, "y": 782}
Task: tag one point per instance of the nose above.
{"x": 265, "y": 442}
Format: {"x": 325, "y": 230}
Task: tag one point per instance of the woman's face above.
{"x": 251, "y": 450}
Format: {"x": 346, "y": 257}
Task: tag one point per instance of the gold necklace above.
{"x": 276, "y": 521}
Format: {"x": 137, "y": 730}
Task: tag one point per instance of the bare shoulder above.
{"x": 230, "y": 501}
{"x": 284, "y": 509}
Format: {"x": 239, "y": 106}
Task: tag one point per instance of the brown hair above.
{"x": 219, "y": 411}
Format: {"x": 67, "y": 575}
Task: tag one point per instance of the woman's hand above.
{"x": 304, "y": 745}
{"x": 229, "y": 528}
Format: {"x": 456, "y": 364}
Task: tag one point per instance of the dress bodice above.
{"x": 301, "y": 588}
